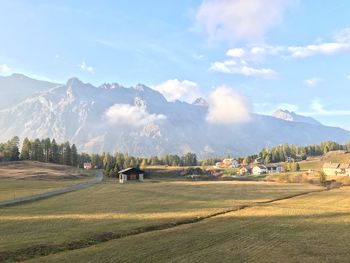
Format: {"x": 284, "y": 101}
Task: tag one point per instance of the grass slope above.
{"x": 309, "y": 228}
{"x": 19, "y": 179}
{"x": 64, "y": 221}
{"x": 316, "y": 163}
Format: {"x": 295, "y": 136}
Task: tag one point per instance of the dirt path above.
{"x": 31, "y": 198}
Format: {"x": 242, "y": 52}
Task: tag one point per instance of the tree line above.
{"x": 48, "y": 150}
{"x": 281, "y": 152}
{"x": 119, "y": 161}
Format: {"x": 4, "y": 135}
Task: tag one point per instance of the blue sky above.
{"x": 278, "y": 53}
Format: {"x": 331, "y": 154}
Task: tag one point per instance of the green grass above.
{"x": 24, "y": 178}
{"x": 308, "y": 228}
{"x": 121, "y": 209}
{"x": 315, "y": 165}
{"x": 11, "y": 189}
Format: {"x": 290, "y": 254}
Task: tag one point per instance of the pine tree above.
{"x": 67, "y": 154}
{"x": 25, "y": 151}
{"x": 37, "y": 151}
{"x": 74, "y": 160}
{"x": 54, "y": 152}
{"x": 47, "y": 147}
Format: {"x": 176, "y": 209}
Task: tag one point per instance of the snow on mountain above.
{"x": 200, "y": 102}
{"x": 140, "y": 121}
{"x": 292, "y": 116}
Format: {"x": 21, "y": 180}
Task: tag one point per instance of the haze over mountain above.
{"x": 140, "y": 121}
{"x": 17, "y": 87}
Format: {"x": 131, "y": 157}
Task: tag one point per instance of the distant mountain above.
{"x": 200, "y": 102}
{"x": 17, "y": 87}
{"x": 292, "y": 116}
{"x": 140, "y": 121}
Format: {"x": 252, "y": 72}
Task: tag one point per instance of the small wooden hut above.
{"x": 130, "y": 174}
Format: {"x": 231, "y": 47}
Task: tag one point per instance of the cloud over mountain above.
{"x": 131, "y": 115}
{"x": 174, "y": 89}
{"x": 227, "y": 106}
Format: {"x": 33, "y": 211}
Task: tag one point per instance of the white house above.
{"x": 88, "y": 166}
{"x": 274, "y": 168}
{"x": 331, "y": 168}
{"x": 259, "y": 169}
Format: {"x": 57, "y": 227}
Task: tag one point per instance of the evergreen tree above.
{"x": 37, "y": 151}
{"x": 25, "y": 151}
{"x": 67, "y": 154}
{"x": 54, "y": 152}
{"x": 74, "y": 155}
{"x": 47, "y": 148}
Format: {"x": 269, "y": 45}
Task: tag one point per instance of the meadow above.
{"x": 19, "y": 179}
{"x": 308, "y": 228}
{"x": 111, "y": 210}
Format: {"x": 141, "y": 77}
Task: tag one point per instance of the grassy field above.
{"x": 308, "y": 228}
{"x": 18, "y": 179}
{"x": 111, "y": 209}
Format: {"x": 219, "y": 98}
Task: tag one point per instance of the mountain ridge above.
{"x": 292, "y": 116}
{"x": 140, "y": 121}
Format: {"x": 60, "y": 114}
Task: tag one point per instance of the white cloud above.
{"x": 317, "y": 108}
{"x": 4, "y": 68}
{"x": 84, "y": 67}
{"x": 239, "y": 20}
{"x": 264, "y": 50}
{"x": 236, "y": 52}
{"x": 339, "y": 43}
{"x": 313, "y": 82}
{"x": 318, "y": 49}
{"x": 227, "y": 106}
{"x": 245, "y": 61}
{"x": 131, "y": 115}
{"x": 230, "y": 67}
{"x": 174, "y": 89}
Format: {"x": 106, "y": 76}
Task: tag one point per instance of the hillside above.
{"x": 25, "y": 178}
{"x": 140, "y": 121}
{"x": 316, "y": 163}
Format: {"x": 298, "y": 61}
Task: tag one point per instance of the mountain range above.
{"x": 140, "y": 121}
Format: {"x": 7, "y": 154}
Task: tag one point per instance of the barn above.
{"x": 130, "y": 174}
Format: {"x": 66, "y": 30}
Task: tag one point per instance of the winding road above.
{"x": 31, "y": 198}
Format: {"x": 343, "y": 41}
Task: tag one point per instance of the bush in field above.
{"x": 322, "y": 175}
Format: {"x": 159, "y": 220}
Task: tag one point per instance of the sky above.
{"x": 289, "y": 54}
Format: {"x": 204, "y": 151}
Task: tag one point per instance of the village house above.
{"x": 131, "y": 174}
{"x": 227, "y": 163}
{"x": 274, "y": 168}
{"x": 343, "y": 169}
{"x": 336, "y": 169}
{"x": 290, "y": 159}
{"x": 88, "y": 166}
{"x": 244, "y": 170}
{"x": 258, "y": 160}
{"x": 259, "y": 169}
